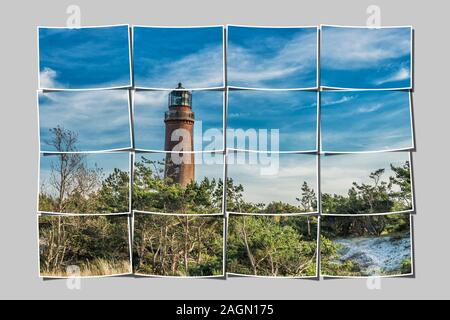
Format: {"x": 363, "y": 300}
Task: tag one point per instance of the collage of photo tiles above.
{"x": 216, "y": 151}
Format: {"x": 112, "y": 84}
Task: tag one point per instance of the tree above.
{"x": 377, "y": 196}
{"x": 178, "y": 245}
{"x": 64, "y": 172}
{"x": 156, "y": 193}
{"x": 402, "y": 179}
{"x": 114, "y": 193}
{"x": 267, "y": 246}
{"x": 98, "y": 245}
{"x": 74, "y": 187}
{"x": 308, "y": 202}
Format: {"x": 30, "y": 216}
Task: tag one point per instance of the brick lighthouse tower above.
{"x": 179, "y": 120}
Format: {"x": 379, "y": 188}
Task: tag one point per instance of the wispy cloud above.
{"x": 268, "y": 61}
{"x": 364, "y": 58}
{"x": 203, "y": 69}
{"x": 372, "y": 121}
{"x": 370, "y": 108}
{"x": 100, "y": 118}
{"x": 326, "y": 101}
{"x": 163, "y": 57}
{"x": 402, "y": 74}
{"x": 346, "y": 48}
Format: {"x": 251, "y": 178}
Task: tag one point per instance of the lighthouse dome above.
{"x": 180, "y": 97}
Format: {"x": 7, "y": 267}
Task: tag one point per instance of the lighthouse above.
{"x": 179, "y": 121}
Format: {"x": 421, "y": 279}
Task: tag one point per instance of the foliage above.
{"x": 74, "y": 187}
{"x": 91, "y": 243}
{"x": 271, "y": 246}
{"x": 191, "y": 245}
{"x": 343, "y": 227}
{"x": 376, "y": 197}
{"x": 178, "y": 245}
{"x": 155, "y": 193}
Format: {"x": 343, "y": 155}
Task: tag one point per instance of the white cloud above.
{"x": 371, "y": 107}
{"x": 330, "y": 102}
{"x": 99, "y": 117}
{"x": 202, "y": 69}
{"x": 295, "y": 55}
{"x": 360, "y": 48}
{"x": 152, "y": 99}
{"x": 47, "y": 78}
{"x": 402, "y": 74}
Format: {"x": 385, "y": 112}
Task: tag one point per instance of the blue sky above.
{"x": 363, "y": 58}
{"x": 107, "y": 161}
{"x": 281, "y": 183}
{"x": 277, "y": 58}
{"x": 293, "y": 113}
{"x": 163, "y": 57}
{"x": 149, "y": 126}
{"x": 84, "y": 58}
{"x": 338, "y": 172}
{"x": 358, "y": 121}
{"x": 100, "y": 118}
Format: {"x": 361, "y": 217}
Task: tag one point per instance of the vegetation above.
{"x": 73, "y": 187}
{"x": 192, "y": 245}
{"x": 178, "y": 245}
{"x": 153, "y": 192}
{"x": 97, "y": 245}
{"x": 376, "y": 197}
{"x": 272, "y": 246}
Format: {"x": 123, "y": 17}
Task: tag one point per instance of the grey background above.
{"x": 19, "y": 159}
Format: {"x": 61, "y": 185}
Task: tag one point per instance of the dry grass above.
{"x": 94, "y": 268}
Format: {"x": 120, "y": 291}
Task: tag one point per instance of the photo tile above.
{"x": 182, "y": 121}
{"x": 84, "y": 246}
{"x": 367, "y": 184}
{"x": 84, "y": 58}
{"x": 179, "y": 183}
{"x": 366, "y": 58}
{"x": 378, "y": 246}
{"x": 166, "y": 56}
{"x": 88, "y": 121}
{"x": 178, "y": 246}
{"x": 262, "y": 183}
{"x": 272, "y": 57}
{"x": 256, "y": 121}
{"x": 366, "y": 121}
{"x": 78, "y": 183}
{"x": 272, "y": 246}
